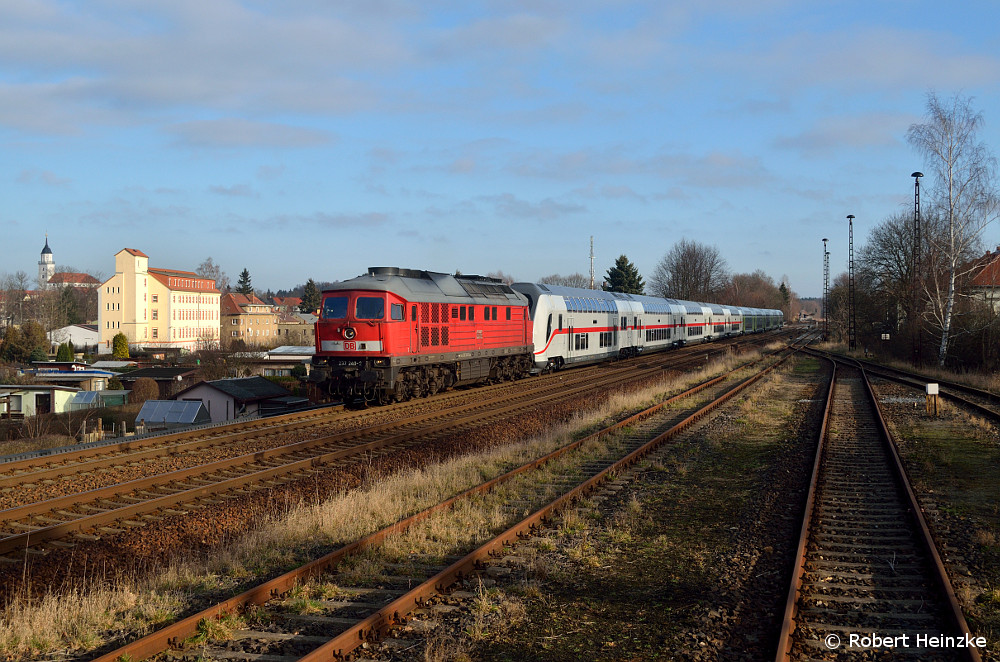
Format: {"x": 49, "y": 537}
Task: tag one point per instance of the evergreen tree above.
{"x": 243, "y": 285}
{"x": 119, "y": 346}
{"x": 65, "y": 352}
{"x": 624, "y": 277}
{"x": 311, "y": 298}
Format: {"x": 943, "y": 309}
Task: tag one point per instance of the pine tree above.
{"x": 243, "y": 285}
{"x": 311, "y": 298}
{"x": 624, "y": 277}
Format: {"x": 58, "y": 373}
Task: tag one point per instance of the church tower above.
{"x": 46, "y": 266}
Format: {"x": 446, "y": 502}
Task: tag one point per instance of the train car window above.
{"x": 335, "y": 308}
{"x": 548, "y": 330}
{"x": 461, "y": 313}
{"x": 369, "y": 308}
{"x": 472, "y": 313}
{"x": 397, "y": 312}
{"x": 413, "y": 313}
{"x": 560, "y": 322}
{"x": 508, "y": 313}
{"x": 494, "y": 313}
{"x": 486, "y": 313}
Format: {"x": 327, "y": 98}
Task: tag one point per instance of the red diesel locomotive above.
{"x": 394, "y": 334}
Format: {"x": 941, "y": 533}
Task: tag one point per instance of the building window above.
{"x": 155, "y": 298}
{"x": 156, "y": 333}
{"x": 155, "y": 314}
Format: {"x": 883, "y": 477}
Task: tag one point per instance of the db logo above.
{"x": 350, "y": 346}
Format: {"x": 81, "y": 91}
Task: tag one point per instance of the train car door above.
{"x": 414, "y": 325}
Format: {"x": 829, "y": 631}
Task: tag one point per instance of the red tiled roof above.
{"x": 136, "y": 252}
{"x": 287, "y": 301}
{"x": 70, "y": 277}
{"x": 232, "y": 303}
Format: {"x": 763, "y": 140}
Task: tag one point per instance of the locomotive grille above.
{"x": 435, "y": 336}
{"x": 444, "y": 335}
{"x": 424, "y": 335}
{"x": 425, "y": 313}
{"x": 435, "y": 318}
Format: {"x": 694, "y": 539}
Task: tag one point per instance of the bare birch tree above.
{"x": 964, "y": 195}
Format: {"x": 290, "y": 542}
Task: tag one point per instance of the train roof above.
{"x": 649, "y": 303}
{"x": 429, "y": 286}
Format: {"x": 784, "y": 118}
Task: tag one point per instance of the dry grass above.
{"x": 83, "y": 619}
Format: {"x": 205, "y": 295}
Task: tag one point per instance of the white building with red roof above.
{"x": 157, "y": 308}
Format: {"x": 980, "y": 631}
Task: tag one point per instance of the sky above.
{"x": 313, "y": 139}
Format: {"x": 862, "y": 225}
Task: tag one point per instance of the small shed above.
{"x": 170, "y": 414}
{"x": 229, "y": 399}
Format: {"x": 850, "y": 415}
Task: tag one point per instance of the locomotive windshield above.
{"x": 369, "y": 308}
{"x": 335, "y": 308}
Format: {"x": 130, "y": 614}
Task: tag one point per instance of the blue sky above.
{"x": 313, "y": 139}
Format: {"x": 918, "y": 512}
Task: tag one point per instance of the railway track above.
{"x": 115, "y": 507}
{"x": 869, "y": 581}
{"x": 345, "y": 611}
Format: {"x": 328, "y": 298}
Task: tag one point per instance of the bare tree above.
{"x": 209, "y": 269}
{"x": 690, "y": 271}
{"x": 572, "y": 280}
{"x": 964, "y": 194}
{"x": 501, "y": 276}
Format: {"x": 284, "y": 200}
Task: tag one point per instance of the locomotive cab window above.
{"x": 398, "y": 313}
{"x": 508, "y": 313}
{"x": 413, "y": 313}
{"x": 369, "y": 308}
{"x": 334, "y": 308}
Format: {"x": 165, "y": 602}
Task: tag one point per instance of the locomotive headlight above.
{"x": 381, "y": 363}
{"x": 349, "y": 333}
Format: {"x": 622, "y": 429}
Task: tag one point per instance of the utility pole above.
{"x": 591, "y": 261}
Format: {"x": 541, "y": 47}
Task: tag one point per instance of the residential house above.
{"x": 71, "y": 373}
{"x": 985, "y": 283}
{"x": 229, "y": 399}
{"x": 72, "y": 279}
{"x": 297, "y": 328}
{"x": 20, "y": 400}
{"x": 247, "y": 318}
{"x": 287, "y": 304}
{"x": 157, "y": 308}
{"x": 169, "y": 379}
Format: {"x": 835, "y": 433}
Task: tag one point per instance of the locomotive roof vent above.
{"x": 387, "y": 272}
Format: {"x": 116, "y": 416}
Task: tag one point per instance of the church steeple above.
{"x": 46, "y": 265}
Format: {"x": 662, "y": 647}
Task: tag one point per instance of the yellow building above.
{"x": 247, "y": 318}
{"x": 156, "y": 308}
